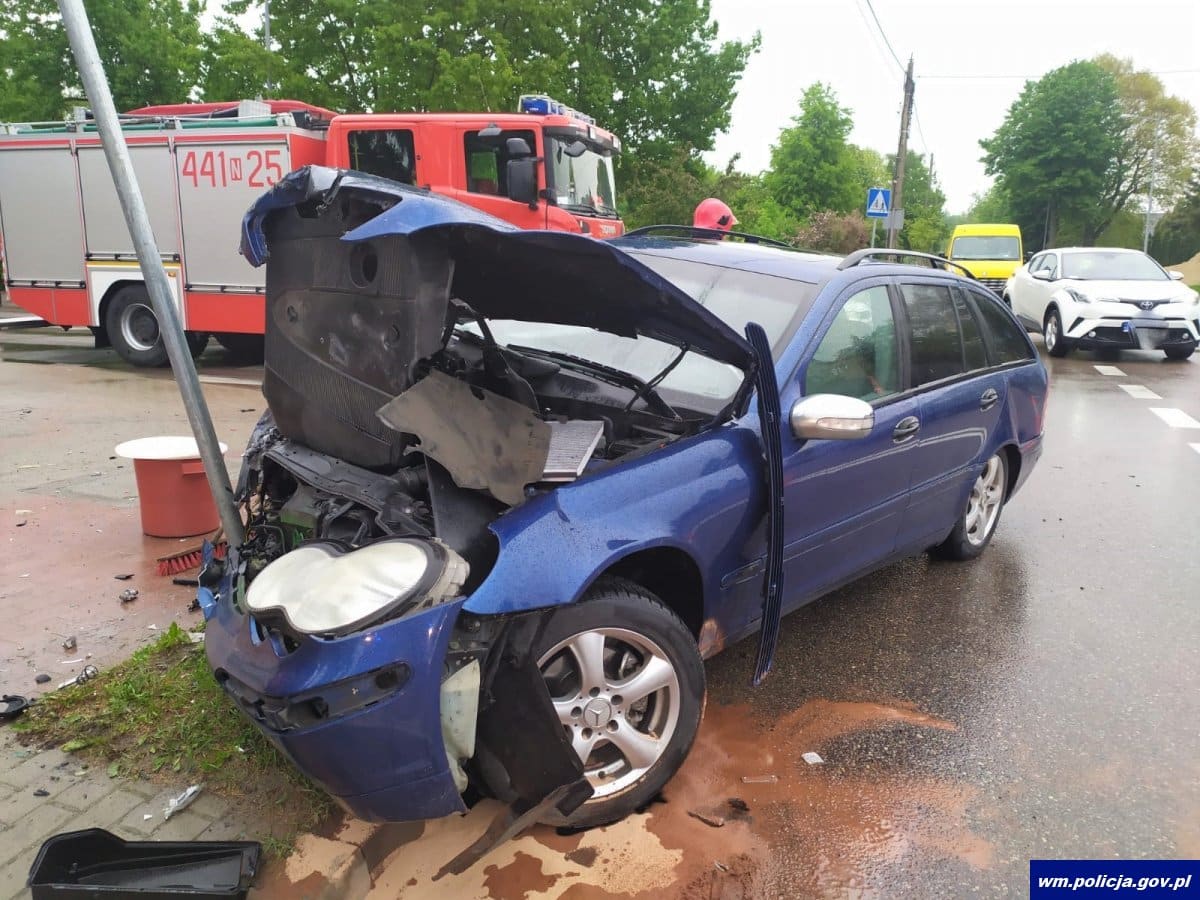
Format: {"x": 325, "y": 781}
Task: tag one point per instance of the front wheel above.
{"x": 975, "y": 527}
{"x": 1179, "y": 352}
{"x": 627, "y": 682}
{"x": 1052, "y": 332}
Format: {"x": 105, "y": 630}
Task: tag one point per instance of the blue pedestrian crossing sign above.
{"x": 879, "y": 203}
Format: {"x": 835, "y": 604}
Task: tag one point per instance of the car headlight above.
{"x": 1078, "y": 296}
{"x": 326, "y": 588}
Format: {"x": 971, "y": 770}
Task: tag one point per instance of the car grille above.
{"x": 995, "y": 284}
{"x": 1143, "y": 304}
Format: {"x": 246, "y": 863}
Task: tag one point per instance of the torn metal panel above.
{"x": 485, "y": 441}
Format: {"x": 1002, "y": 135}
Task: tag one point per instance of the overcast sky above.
{"x": 836, "y": 41}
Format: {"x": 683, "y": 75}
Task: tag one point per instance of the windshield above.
{"x": 582, "y": 183}
{"x": 1100, "y": 266}
{"x": 734, "y": 296}
{"x": 986, "y": 247}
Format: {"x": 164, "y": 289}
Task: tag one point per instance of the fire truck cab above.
{"x": 68, "y": 257}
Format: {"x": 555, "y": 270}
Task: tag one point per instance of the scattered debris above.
{"x": 147, "y": 817}
{"x": 124, "y": 577}
{"x": 114, "y": 769}
{"x": 70, "y": 643}
{"x": 720, "y": 866}
{"x": 22, "y": 523}
{"x": 737, "y": 804}
{"x": 11, "y": 706}
{"x": 182, "y": 801}
{"x": 196, "y": 637}
{"x": 128, "y": 594}
{"x": 186, "y": 582}
{"x": 41, "y": 792}
{"x": 710, "y": 820}
{"x": 760, "y": 779}
{"x": 194, "y": 605}
{"x": 152, "y": 627}
{"x": 24, "y": 512}
{"x": 42, "y": 678}
{"x": 89, "y": 672}
{"x": 813, "y": 759}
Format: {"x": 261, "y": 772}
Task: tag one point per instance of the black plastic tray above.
{"x": 97, "y": 865}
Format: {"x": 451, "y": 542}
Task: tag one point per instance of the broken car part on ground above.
{"x": 511, "y": 490}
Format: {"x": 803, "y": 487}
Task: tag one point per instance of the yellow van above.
{"x": 990, "y": 252}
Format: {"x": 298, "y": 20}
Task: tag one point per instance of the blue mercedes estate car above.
{"x": 515, "y": 486}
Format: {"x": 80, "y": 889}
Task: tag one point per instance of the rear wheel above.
{"x": 1179, "y": 352}
{"x": 627, "y": 682}
{"x": 1052, "y": 332}
{"x": 975, "y": 527}
{"x": 133, "y": 331}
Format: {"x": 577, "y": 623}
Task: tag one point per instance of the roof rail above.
{"x": 710, "y": 234}
{"x": 870, "y": 253}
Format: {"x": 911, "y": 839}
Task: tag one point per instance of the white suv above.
{"x": 1097, "y": 297}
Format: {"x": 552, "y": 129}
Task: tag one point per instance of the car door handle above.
{"x": 988, "y": 399}
{"x": 905, "y": 429}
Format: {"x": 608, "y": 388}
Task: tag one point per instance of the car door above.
{"x": 844, "y": 500}
{"x": 1022, "y": 282}
{"x": 1041, "y": 288}
{"x": 960, "y": 400}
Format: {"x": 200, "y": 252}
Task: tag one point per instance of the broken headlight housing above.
{"x": 327, "y": 588}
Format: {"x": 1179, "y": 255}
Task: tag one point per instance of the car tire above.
{"x": 132, "y": 328}
{"x": 244, "y": 348}
{"x": 1052, "y": 333}
{"x": 1179, "y": 352}
{"x": 974, "y": 529}
{"x": 630, "y": 640}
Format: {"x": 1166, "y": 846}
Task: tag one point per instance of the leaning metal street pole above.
{"x": 91, "y": 71}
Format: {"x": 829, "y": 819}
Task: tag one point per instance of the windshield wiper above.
{"x": 588, "y": 209}
{"x": 618, "y": 377}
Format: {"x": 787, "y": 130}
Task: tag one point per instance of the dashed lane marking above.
{"x": 1139, "y": 392}
{"x": 1109, "y": 370}
{"x": 1176, "y": 418}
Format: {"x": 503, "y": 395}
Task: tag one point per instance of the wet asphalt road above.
{"x": 1066, "y": 658}
{"x": 1038, "y": 702}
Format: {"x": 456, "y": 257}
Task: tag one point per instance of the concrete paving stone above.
{"x": 38, "y": 767}
{"x": 134, "y": 824}
{"x": 23, "y": 842}
{"x": 222, "y": 830}
{"x": 20, "y": 805}
{"x": 109, "y": 811}
{"x": 183, "y": 826}
{"x": 12, "y": 879}
{"x": 84, "y": 793}
{"x": 208, "y": 806}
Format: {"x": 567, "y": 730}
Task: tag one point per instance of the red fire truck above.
{"x": 68, "y": 257}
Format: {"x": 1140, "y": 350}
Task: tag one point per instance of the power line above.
{"x": 883, "y": 34}
{"x": 873, "y": 33}
{"x": 944, "y": 77}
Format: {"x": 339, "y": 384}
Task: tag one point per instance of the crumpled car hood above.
{"x": 504, "y": 272}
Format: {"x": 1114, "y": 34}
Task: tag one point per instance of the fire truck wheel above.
{"x": 133, "y": 329}
{"x": 244, "y": 348}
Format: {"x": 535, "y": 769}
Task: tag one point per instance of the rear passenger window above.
{"x": 974, "y": 352}
{"x": 1005, "y": 336}
{"x": 937, "y": 349}
{"x": 857, "y": 356}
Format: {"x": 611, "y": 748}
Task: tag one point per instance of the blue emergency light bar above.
{"x": 541, "y": 105}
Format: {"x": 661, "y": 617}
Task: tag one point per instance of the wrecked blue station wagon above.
{"x": 514, "y": 487}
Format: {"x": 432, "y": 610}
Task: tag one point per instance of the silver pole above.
{"x": 91, "y": 71}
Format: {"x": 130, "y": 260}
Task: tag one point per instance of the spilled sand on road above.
{"x": 814, "y": 832}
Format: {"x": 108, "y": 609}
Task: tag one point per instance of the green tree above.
{"x": 1052, "y": 154}
{"x": 990, "y": 207}
{"x": 1177, "y": 237}
{"x": 1156, "y": 139}
{"x": 150, "y": 50}
{"x": 924, "y": 206}
{"x": 813, "y": 167}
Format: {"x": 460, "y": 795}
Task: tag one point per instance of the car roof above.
{"x": 763, "y": 259}
{"x": 770, "y": 259}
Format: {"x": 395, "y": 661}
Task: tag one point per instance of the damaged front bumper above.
{"x": 360, "y": 715}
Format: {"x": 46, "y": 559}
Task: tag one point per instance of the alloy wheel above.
{"x": 983, "y": 507}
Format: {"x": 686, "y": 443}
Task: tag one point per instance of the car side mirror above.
{"x": 1041, "y": 275}
{"x": 831, "y": 417}
{"x": 1175, "y": 276}
{"x": 522, "y": 181}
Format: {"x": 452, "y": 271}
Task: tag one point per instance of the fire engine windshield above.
{"x": 582, "y": 180}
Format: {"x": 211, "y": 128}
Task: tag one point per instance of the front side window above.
{"x": 857, "y": 356}
{"x": 937, "y": 350}
{"x": 388, "y": 153}
{"x": 487, "y": 160}
{"x": 581, "y": 179}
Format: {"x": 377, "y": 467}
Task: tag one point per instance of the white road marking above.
{"x": 1176, "y": 418}
{"x": 221, "y": 379}
{"x": 1195, "y": 447}
{"x": 1139, "y": 392}
{"x": 1109, "y": 370}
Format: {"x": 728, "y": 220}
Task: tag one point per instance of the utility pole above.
{"x": 267, "y": 38}
{"x": 901, "y": 157}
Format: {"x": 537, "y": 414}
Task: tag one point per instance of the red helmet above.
{"x": 715, "y": 214}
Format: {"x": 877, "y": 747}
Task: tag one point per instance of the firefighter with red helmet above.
{"x": 713, "y": 214}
